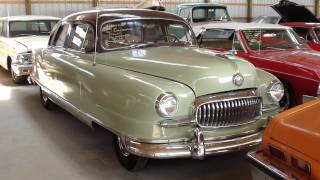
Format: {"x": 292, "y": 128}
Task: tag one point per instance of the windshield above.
{"x": 139, "y": 33}
{"x": 27, "y": 28}
{"x": 205, "y": 14}
{"x": 272, "y": 39}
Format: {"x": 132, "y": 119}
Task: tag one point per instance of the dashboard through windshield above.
{"x": 140, "y": 33}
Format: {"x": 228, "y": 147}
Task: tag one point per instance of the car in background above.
{"x": 19, "y": 35}
{"x": 290, "y": 146}
{"x": 274, "y": 48}
{"x": 202, "y": 14}
{"x": 267, "y": 20}
{"x": 145, "y": 79}
{"x": 299, "y": 17}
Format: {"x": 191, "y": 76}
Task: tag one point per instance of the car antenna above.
{"x": 96, "y": 35}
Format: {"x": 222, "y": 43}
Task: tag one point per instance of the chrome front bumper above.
{"x": 262, "y": 169}
{"x": 197, "y": 148}
{"x": 22, "y": 69}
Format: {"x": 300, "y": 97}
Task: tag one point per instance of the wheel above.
{"x": 46, "y": 102}
{"x": 129, "y": 161}
{"x": 18, "y": 79}
{"x": 288, "y": 100}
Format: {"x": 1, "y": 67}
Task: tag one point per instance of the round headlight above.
{"x": 167, "y": 105}
{"x": 276, "y": 91}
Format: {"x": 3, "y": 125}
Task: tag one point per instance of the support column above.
{"x": 28, "y": 7}
{"x": 94, "y": 3}
{"x": 249, "y": 10}
{"x": 316, "y": 7}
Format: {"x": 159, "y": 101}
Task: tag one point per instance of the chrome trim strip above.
{"x": 252, "y": 156}
{"x": 270, "y": 108}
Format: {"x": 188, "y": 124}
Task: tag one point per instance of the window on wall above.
{"x": 61, "y": 35}
{"x": 82, "y": 37}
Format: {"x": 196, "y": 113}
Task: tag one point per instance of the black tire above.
{"x": 288, "y": 101}
{"x": 46, "y": 102}
{"x": 129, "y": 161}
{"x": 18, "y": 79}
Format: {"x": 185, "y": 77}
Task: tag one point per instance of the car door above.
{"x": 78, "y": 57}
{"x": 57, "y": 73}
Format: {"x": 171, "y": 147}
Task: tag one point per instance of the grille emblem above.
{"x": 238, "y": 79}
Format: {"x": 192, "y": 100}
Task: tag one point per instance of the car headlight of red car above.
{"x": 318, "y": 92}
{"x": 275, "y": 91}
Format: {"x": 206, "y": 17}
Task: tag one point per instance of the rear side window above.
{"x": 82, "y": 37}
{"x": 61, "y": 35}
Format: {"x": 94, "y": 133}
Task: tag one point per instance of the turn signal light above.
{"x": 277, "y": 153}
{"x": 302, "y": 165}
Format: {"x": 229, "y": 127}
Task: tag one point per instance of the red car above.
{"x": 274, "y": 48}
{"x": 304, "y": 23}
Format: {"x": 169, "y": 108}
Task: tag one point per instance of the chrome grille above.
{"x": 228, "y": 112}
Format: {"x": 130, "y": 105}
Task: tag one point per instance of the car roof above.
{"x": 192, "y": 5}
{"x": 28, "y": 18}
{"x": 302, "y": 24}
{"x": 120, "y": 14}
{"x": 242, "y": 26}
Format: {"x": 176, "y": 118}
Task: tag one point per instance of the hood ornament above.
{"x": 238, "y": 79}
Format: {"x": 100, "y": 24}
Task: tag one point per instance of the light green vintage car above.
{"x": 150, "y": 85}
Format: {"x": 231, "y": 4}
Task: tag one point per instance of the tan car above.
{"x": 291, "y": 146}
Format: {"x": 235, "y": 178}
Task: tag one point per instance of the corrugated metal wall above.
{"x": 60, "y": 8}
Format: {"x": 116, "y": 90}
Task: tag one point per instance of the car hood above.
{"x": 32, "y": 42}
{"x": 293, "y": 12}
{"x": 200, "y": 69}
{"x": 308, "y": 59}
{"x": 299, "y": 129}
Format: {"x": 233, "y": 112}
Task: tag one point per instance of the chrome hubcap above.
{"x": 123, "y": 151}
{"x": 44, "y": 97}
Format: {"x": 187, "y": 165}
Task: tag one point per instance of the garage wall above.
{"x": 13, "y": 7}
{"x": 61, "y": 8}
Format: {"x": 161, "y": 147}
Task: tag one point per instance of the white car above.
{"x": 19, "y": 35}
{"x": 202, "y": 14}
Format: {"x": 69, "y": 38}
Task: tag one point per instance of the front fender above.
{"x": 124, "y": 101}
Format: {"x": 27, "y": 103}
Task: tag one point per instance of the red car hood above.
{"x": 308, "y": 59}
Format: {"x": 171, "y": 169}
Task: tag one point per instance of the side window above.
{"x": 61, "y": 36}
{"x": 179, "y": 31}
{"x": 185, "y": 13}
{"x": 304, "y": 33}
{"x": 82, "y": 38}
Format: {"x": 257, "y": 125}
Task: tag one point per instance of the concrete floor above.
{"x": 36, "y": 144}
